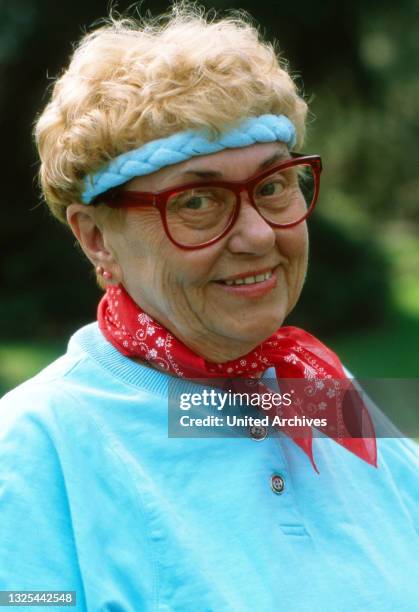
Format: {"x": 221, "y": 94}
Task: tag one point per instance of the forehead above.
{"x": 230, "y": 165}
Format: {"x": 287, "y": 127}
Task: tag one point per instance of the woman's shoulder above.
{"x": 37, "y": 395}
{"x": 38, "y": 409}
{"x": 400, "y": 456}
{"x": 73, "y": 411}
{"x": 399, "y": 466}
{"x": 84, "y": 388}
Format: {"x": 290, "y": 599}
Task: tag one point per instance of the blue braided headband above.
{"x": 179, "y": 147}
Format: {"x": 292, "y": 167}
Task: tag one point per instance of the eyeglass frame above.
{"x": 117, "y": 198}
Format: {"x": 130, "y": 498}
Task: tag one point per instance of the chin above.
{"x": 258, "y": 332}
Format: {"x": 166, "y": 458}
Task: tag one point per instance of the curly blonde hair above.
{"x": 132, "y": 81}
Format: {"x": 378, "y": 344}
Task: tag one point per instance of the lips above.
{"x": 247, "y": 278}
{"x": 250, "y": 285}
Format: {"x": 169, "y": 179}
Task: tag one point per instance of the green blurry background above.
{"x": 358, "y": 64}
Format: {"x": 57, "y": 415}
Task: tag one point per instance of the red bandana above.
{"x": 294, "y": 353}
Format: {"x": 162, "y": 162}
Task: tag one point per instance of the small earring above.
{"x": 101, "y": 272}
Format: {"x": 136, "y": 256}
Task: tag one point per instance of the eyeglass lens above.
{"x": 198, "y": 215}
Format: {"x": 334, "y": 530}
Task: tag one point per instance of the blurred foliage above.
{"x": 360, "y": 66}
{"x": 343, "y": 289}
{"x": 20, "y": 361}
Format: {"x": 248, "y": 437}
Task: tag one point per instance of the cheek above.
{"x": 293, "y": 243}
{"x": 147, "y": 254}
{"x": 143, "y": 237}
{"x": 137, "y": 249}
{"x": 193, "y": 268}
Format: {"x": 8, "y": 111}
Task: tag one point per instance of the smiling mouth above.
{"x": 248, "y": 280}
{"x": 259, "y": 276}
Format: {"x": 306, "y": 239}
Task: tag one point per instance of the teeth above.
{"x": 249, "y": 280}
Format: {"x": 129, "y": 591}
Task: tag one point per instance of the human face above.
{"x": 186, "y": 291}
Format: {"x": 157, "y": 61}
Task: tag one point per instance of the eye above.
{"x": 200, "y": 204}
{"x": 274, "y": 188}
{"x": 196, "y": 203}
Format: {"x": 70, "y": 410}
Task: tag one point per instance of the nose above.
{"x": 251, "y": 233}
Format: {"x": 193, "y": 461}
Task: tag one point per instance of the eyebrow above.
{"x": 207, "y": 174}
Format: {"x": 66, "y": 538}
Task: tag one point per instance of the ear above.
{"x": 83, "y": 223}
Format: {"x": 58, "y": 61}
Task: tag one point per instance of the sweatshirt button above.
{"x": 258, "y": 432}
{"x": 277, "y": 484}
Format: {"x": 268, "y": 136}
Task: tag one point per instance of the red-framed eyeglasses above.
{"x": 197, "y": 215}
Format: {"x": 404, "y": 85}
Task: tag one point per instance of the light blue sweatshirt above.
{"x": 95, "y": 498}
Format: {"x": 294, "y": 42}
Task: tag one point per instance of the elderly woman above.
{"x": 170, "y": 151}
